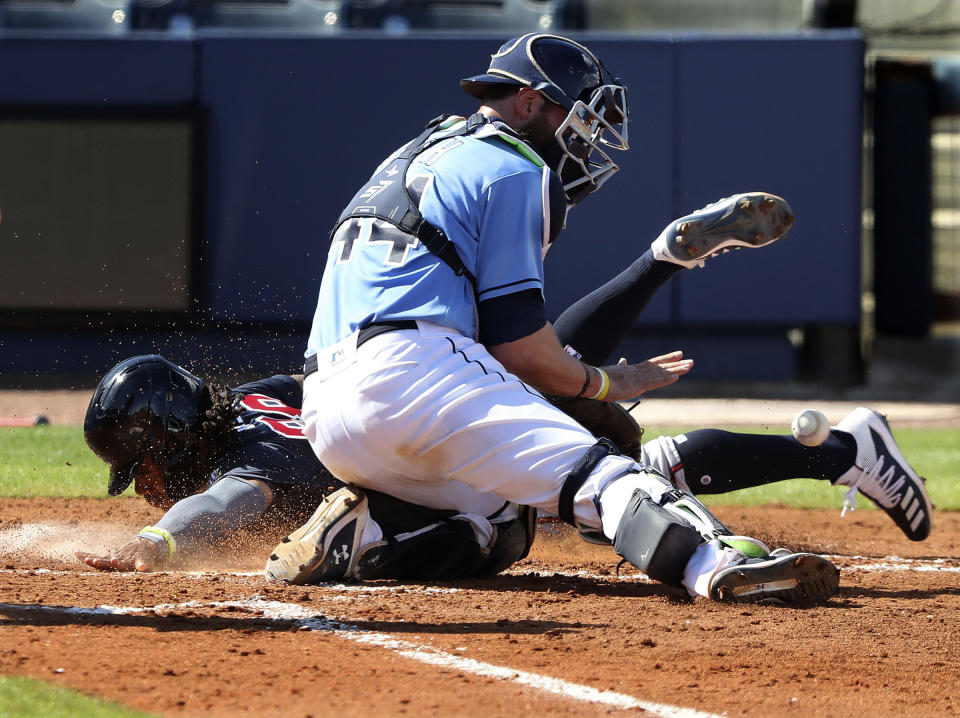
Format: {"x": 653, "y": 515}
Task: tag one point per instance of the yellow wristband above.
{"x": 147, "y": 531}
{"x": 604, "y": 385}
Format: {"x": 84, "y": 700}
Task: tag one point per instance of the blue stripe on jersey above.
{"x": 486, "y": 197}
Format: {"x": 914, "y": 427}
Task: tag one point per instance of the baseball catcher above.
{"x": 430, "y": 355}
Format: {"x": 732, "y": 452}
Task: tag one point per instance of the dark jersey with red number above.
{"x": 269, "y": 445}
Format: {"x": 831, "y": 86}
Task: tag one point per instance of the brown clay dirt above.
{"x": 561, "y": 634}
{"x": 226, "y": 643}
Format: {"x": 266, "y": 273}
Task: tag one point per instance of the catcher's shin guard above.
{"x": 445, "y": 550}
{"x": 685, "y": 505}
{"x": 513, "y": 542}
{"x": 655, "y": 540}
{"x": 659, "y": 538}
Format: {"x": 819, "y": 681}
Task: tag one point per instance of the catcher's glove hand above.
{"x": 604, "y": 419}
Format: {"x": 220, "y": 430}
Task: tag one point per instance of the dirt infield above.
{"x": 560, "y": 635}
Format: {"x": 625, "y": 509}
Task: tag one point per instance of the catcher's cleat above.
{"x": 781, "y": 578}
{"x": 324, "y": 548}
{"x": 753, "y": 219}
{"x": 882, "y": 475}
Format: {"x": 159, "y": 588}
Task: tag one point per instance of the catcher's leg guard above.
{"x": 513, "y": 542}
{"x": 655, "y": 540}
{"x": 579, "y": 474}
{"x": 419, "y": 543}
{"x": 660, "y": 538}
{"x": 445, "y": 550}
{"x": 448, "y": 549}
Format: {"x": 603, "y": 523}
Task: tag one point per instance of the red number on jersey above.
{"x": 291, "y": 428}
{"x": 268, "y": 405}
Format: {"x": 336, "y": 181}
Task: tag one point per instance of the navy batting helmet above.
{"x": 143, "y": 405}
{"x": 570, "y": 75}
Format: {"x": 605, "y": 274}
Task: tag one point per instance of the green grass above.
{"x": 49, "y": 461}
{"x": 29, "y": 698}
{"x": 55, "y": 461}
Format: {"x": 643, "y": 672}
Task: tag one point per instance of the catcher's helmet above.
{"x": 147, "y": 404}
{"x": 569, "y": 75}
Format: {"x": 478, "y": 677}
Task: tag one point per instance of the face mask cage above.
{"x": 586, "y": 137}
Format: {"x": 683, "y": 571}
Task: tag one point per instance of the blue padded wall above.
{"x": 297, "y": 125}
{"x": 782, "y": 116}
{"x": 96, "y": 72}
{"x": 293, "y": 124}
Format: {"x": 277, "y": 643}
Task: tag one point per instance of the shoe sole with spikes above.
{"x": 324, "y": 548}
{"x": 753, "y": 219}
{"x": 793, "y": 579}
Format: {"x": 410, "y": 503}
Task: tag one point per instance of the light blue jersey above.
{"x": 487, "y": 193}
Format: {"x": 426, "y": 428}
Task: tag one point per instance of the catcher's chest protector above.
{"x": 386, "y": 197}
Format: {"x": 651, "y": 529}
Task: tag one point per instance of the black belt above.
{"x": 363, "y": 336}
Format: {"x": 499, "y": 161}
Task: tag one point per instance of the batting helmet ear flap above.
{"x": 122, "y": 476}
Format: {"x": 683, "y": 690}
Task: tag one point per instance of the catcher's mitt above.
{"x": 604, "y": 419}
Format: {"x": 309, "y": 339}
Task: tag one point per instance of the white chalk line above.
{"x": 868, "y": 564}
{"x": 309, "y": 620}
{"x": 304, "y": 619}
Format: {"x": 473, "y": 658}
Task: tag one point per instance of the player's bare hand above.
{"x": 630, "y": 380}
{"x": 138, "y": 554}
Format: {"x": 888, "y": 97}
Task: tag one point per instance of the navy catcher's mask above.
{"x": 571, "y": 76}
{"x": 143, "y": 405}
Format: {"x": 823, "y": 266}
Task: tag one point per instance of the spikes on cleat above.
{"x": 274, "y": 557}
{"x": 747, "y": 220}
{"x": 285, "y": 539}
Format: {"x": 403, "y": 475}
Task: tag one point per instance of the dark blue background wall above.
{"x": 294, "y": 124}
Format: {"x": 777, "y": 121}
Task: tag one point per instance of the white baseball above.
{"x": 810, "y": 427}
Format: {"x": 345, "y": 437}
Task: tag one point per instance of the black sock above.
{"x": 716, "y": 461}
{"x": 596, "y": 324}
